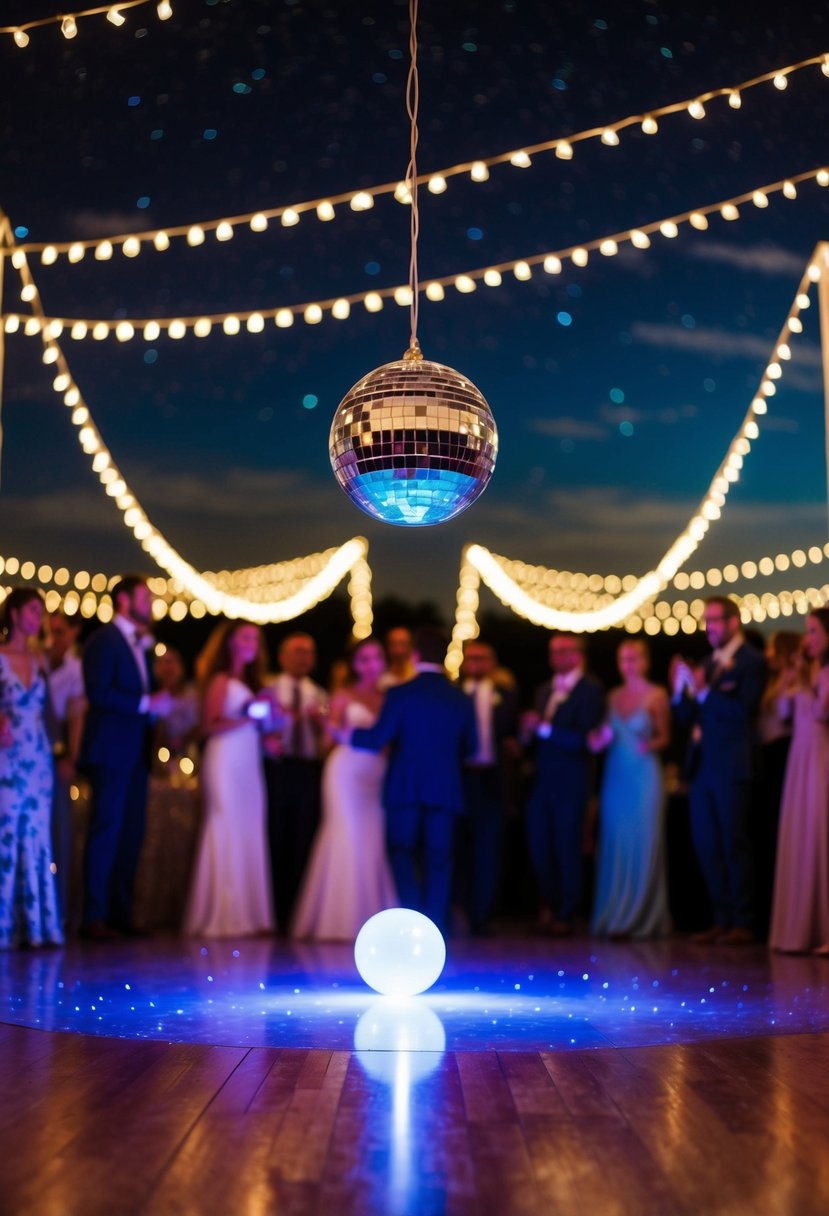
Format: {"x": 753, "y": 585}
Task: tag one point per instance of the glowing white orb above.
{"x": 399, "y": 952}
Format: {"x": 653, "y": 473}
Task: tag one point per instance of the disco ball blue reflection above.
{"x": 413, "y": 443}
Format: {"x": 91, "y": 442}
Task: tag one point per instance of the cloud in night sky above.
{"x": 765, "y": 259}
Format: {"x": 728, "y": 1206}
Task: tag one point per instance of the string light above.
{"x": 437, "y": 181}
{"x": 68, "y": 22}
{"x": 215, "y": 600}
{"x": 314, "y": 311}
{"x": 628, "y": 603}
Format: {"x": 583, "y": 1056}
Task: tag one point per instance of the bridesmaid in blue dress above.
{"x": 631, "y": 898}
{"x": 28, "y": 897}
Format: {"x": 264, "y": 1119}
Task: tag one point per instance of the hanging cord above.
{"x": 412, "y": 100}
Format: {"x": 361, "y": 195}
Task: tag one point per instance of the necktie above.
{"x": 295, "y": 744}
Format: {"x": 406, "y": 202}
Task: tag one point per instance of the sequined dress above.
{"x": 348, "y": 877}
{"x": 28, "y": 897}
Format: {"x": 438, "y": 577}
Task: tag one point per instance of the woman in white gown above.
{"x": 230, "y": 892}
{"x": 348, "y": 877}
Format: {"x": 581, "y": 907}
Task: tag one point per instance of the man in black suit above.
{"x": 481, "y": 827}
{"x": 114, "y": 754}
{"x": 723, "y": 709}
{"x": 430, "y": 725}
{"x": 567, "y": 708}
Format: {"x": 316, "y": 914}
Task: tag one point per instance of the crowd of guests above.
{"x": 321, "y": 807}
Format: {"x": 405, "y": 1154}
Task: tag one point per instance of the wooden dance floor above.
{"x": 536, "y": 1078}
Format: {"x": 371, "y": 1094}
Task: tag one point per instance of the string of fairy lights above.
{"x": 313, "y": 312}
{"x": 281, "y": 591}
{"x": 626, "y": 607}
{"x": 325, "y": 210}
{"x": 68, "y": 22}
{"x": 283, "y": 604}
{"x": 630, "y": 605}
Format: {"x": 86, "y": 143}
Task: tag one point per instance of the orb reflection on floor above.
{"x": 511, "y": 993}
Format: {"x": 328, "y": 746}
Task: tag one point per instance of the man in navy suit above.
{"x": 723, "y": 711}
{"x": 114, "y": 755}
{"x": 430, "y": 725}
{"x": 479, "y": 845}
{"x": 567, "y": 709}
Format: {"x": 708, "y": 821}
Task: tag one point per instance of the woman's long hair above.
{"x": 215, "y": 657}
{"x": 822, "y": 615}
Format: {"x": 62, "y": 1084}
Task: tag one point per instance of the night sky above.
{"x": 616, "y": 388}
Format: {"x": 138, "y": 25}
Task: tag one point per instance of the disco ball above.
{"x": 413, "y": 443}
{"x": 399, "y": 952}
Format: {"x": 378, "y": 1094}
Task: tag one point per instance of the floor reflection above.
{"x": 511, "y": 993}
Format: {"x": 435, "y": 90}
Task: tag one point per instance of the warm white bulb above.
{"x": 520, "y": 160}
{"x": 668, "y": 229}
{"x": 161, "y": 241}
{"x": 164, "y": 10}
{"x": 696, "y": 109}
{"x": 822, "y": 177}
{"x": 781, "y": 81}
{"x": 464, "y": 284}
{"x": 698, "y": 220}
{"x": 760, "y": 199}
{"x": 479, "y": 171}
{"x": 152, "y": 331}
{"x": 312, "y": 314}
{"x": 552, "y": 264}
{"x": 195, "y": 235}
{"x": 522, "y": 271}
{"x": 28, "y": 292}
{"x": 103, "y": 252}
{"x": 49, "y": 255}
{"x": 340, "y": 310}
{"x": 258, "y": 222}
{"x": 403, "y": 296}
{"x": 434, "y": 291}
{"x": 255, "y": 323}
{"x": 789, "y": 189}
{"x": 361, "y": 202}
{"x": 437, "y": 184}
{"x": 640, "y": 239}
{"x": 284, "y": 318}
{"x": 224, "y": 231}
{"x": 21, "y": 38}
{"x": 289, "y": 218}
{"x": 373, "y": 302}
{"x": 68, "y": 27}
{"x": 231, "y": 326}
{"x": 729, "y": 212}
{"x": 131, "y": 247}
{"x": 76, "y": 252}
{"x": 580, "y": 257}
{"x": 176, "y": 330}
{"x": 649, "y": 125}
{"x": 325, "y": 211}
{"x": 115, "y": 17}
{"x": 734, "y": 99}
{"x": 492, "y": 278}
{"x": 610, "y": 137}
{"x": 608, "y": 248}
{"x": 564, "y": 150}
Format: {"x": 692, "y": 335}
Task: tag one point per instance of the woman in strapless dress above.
{"x": 348, "y": 877}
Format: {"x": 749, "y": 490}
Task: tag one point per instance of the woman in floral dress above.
{"x": 28, "y": 898}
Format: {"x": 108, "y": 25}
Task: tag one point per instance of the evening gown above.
{"x": 230, "y": 893}
{"x": 800, "y": 909}
{"x": 631, "y": 898}
{"x": 28, "y": 896}
{"x": 348, "y": 877}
